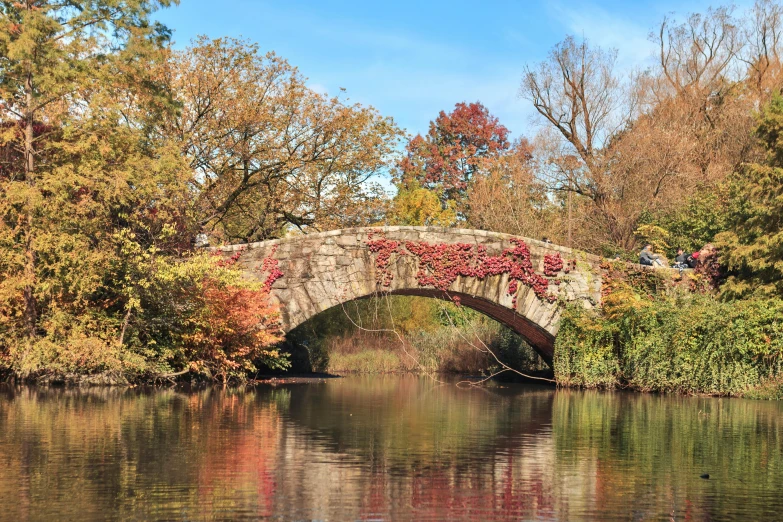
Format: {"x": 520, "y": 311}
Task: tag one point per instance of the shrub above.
{"x": 201, "y": 315}
{"x": 680, "y": 343}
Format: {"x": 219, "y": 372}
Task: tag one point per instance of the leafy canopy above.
{"x": 752, "y": 247}
{"x": 454, "y": 151}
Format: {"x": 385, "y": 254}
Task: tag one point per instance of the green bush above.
{"x": 684, "y": 343}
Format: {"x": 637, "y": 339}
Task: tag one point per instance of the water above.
{"x": 386, "y": 448}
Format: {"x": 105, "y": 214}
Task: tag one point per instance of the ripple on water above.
{"x": 386, "y": 448}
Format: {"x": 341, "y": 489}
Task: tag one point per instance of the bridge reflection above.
{"x": 386, "y": 448}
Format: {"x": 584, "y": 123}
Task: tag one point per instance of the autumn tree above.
{"x": 453, "y": 152}
{"x": 762, "y": 35}
{"x": 699, "y": 89}
{"x": 414, "y": 205}
{"x": 752, "y": 247}
{"x": 91, "y": 218}
{"x": 269, "y": 154}
{"x": 694, "y": 127}
{"x": 51, "y": 52}
{"x": 205, "y": 318}
{"x": 509, "y": 198}
{"x": 648, "y": 145}
{"x": 579, "y": 97}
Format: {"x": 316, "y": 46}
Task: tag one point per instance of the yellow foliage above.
{"x": 418, "y": 206}
{"x": 621, "y": 300}
{"x": 656, "y": 236}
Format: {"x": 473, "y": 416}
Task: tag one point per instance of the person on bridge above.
{"x": 681, "y": 261}
{"x": 693, "y": 260}
{"x": 648, "y": 258}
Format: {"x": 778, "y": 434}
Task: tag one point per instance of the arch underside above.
{"x": 539, "y": 339}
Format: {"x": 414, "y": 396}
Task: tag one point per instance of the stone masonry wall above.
{"x": 323, "y": 270}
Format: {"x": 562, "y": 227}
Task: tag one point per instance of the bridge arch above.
{"x": 311, "y": 273}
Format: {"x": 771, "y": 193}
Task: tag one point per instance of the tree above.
{"x": 96, "y": 199}
{"x": 580, "y": 99}
{"x": 763, "y": 37}
{"x": 51, "y": 50}
{"x": 453, "y": 152}
{"x": 752, "y": 247}
{"x": 415, "y": 205}
{"x": 699, "y": 90}
{"x": 696, "y": 126}
{"x": 577, "y": 92}
{"x": 509, "y": 198}
{"x": 628, "y": 151}
{"x": 218, "y": 323}
{"x": 267, "y": 152}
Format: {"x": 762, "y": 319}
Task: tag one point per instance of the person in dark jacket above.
{"x": 693, "y": 260}
{"x": 648, "y": 258}
{"x": 681, "y": 260}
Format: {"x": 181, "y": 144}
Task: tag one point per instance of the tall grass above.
{"x": 448, "y": 349}
{"x": 404, "y": 334}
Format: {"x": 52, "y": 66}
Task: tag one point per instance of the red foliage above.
{"x": 709, "y": 268}
{"x": 271, "y": 267}
{"x": 439, "y": 265}
{"x": 231, "y": 261}
{"x": 232, "y": 327}
{"x": 553, "y": 264}
{"x": 454, "y": 148}
{"x": 384, "y": 248}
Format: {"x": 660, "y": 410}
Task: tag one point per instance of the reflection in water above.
{"x": 386, "y": 448}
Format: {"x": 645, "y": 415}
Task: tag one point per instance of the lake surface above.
{"x": 386, "y": 448}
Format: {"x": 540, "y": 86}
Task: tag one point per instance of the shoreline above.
{"x": 73, "y": 381}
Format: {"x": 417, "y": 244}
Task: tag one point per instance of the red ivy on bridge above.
{"x": 231, "y": 261}
{"x": 440, "y": 264}
{"x": 384, "y": 248}
{"x": 271, "y": 267}
{"x": 553, "y": 264}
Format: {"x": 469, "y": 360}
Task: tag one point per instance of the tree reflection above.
{"x": 391, "y": 448}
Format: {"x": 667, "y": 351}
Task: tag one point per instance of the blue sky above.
{"x": 412, "y": 59}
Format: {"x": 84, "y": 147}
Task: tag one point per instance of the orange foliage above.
{"x": 230, "y": 328}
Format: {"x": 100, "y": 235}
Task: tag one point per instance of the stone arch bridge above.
{"x": 520, "y": 282}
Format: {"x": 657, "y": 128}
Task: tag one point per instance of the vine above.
{"x": 553, "y": 264}
{"x": 384, "y": 248}
{"x": 231, "y": 261}
{"x": 271, "y": 267}
{"x": 440, "y": 264}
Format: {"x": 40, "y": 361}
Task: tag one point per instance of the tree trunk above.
{"x": 30, "y": 308}
{"x": 570, "y": 243}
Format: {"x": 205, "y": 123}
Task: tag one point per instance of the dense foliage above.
{"x": 682, "y": 343}
{"x": 111, "y": 161}
{"x": 653, "y": 336}
{"x": 454, "y": 152}
{"x": 267, "y": 152}
{"x": 752, "y": 245}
